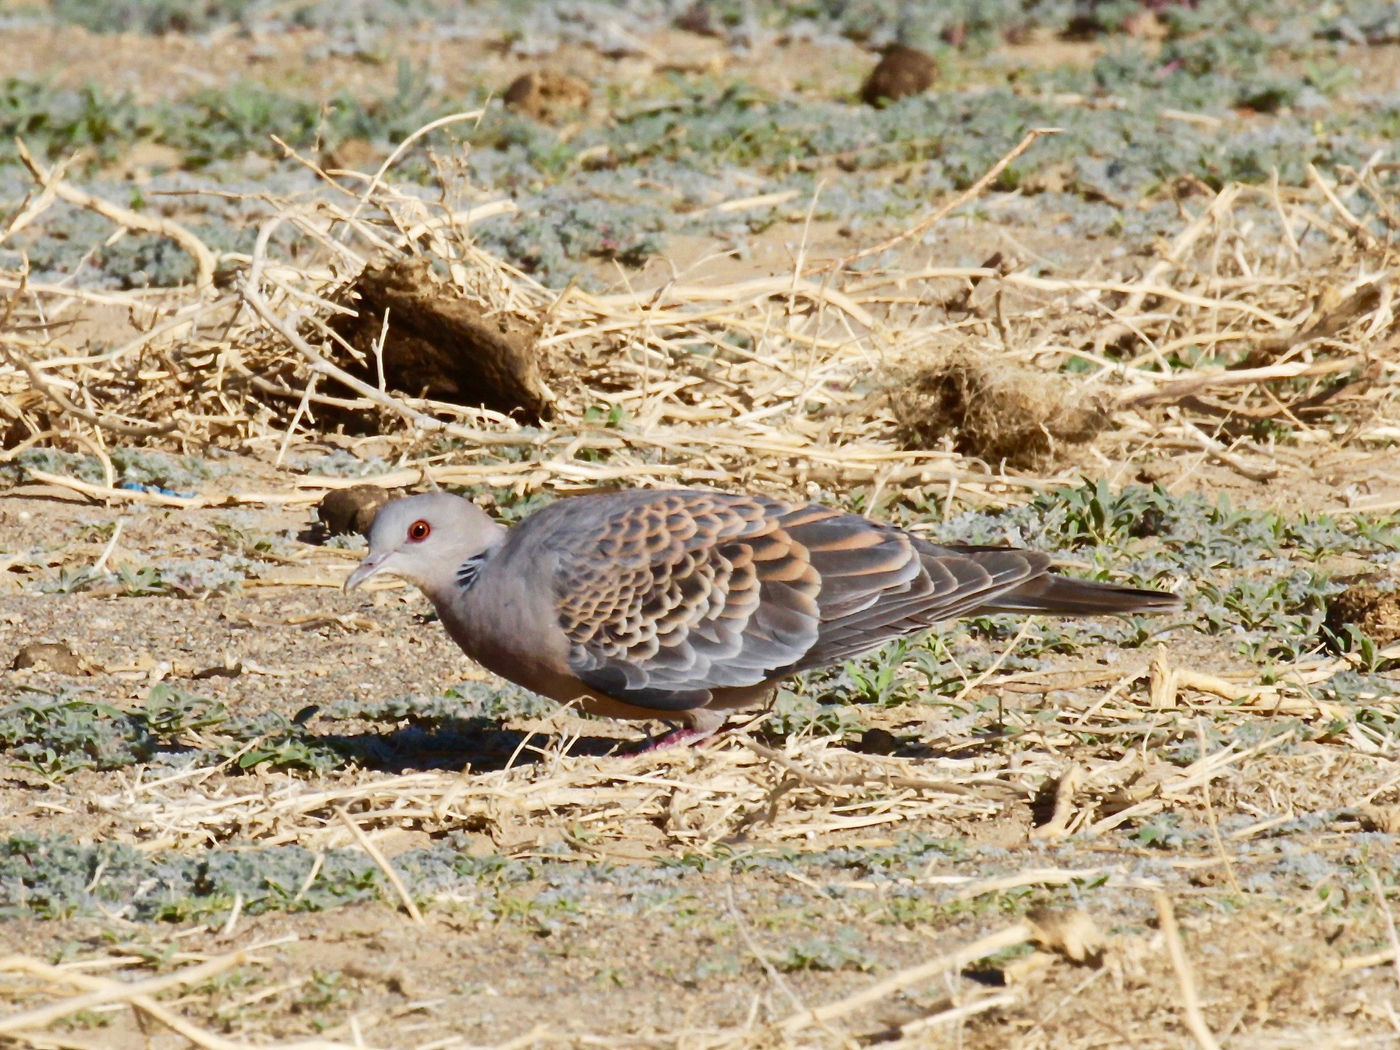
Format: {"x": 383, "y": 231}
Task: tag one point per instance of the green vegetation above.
{"x": 694, "y": 138}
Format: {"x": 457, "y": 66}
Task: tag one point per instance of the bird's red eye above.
{"x": 419, "y": 530}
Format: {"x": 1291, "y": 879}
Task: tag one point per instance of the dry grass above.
{"x": 776, "y": 381}
{"x": 740, "y": 792}
{"x": 693, "y": 799}
{"x": 995, "y": 411}
{"x": 765, "y": 381}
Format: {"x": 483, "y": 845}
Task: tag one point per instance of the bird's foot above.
{"x": 678, "y": 738}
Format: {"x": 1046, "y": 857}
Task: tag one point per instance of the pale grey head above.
{"x": 424, "y": 539}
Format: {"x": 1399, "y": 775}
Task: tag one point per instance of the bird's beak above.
{"x": 366, "y": 569}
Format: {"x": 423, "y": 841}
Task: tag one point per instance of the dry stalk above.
{"x": 1190, "y": 1001}
{"x": 627, "y": 796}
{"x": 1020, "y": 933}
{"x": 943, "y": 211}
{"x": 54, "y": 186}
{"x": 381, "y": 862}
{"x": 111, "y": 991}
{"x": 142, "y": 1001}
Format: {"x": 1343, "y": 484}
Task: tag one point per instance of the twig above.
{"x": 1386, "y": 957}
{"x": 995, "y": 666}
{"x": 946, "y": 209}
{"x": 741, "y": 923}
{"x": 1149, "y": 393}
{"x": 1211, "y": 821}
{"x": 1216, "y": 451}
{"x": 109, "y": 493}
{"x": 1195, "y": 1020}
{"x": 1384, "y": 909}
{"x": 806, "y": 776}
{"x": 101, "y": 564}
{"x": 1010, "y": 937}
{"x": 1358, "y": 229}
{"x": 143, "y": 1002}
{"x": 1032, "y": 877}
{"x": 205, "y": 262}
{"x": 1171, "y": 258}
{"x": 46, "y": 388}
{"x": 381, "y": 862}
{"x": 909, "y": 1029}
{"x": 114, "y": 991}
{"x": 1066, "y": 786}
{"x": 399, "y": 150}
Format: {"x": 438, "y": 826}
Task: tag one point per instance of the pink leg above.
{"x": 700, "y": 724}
{"x": 678, "y": 738}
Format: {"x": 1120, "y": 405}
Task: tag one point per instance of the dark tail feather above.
{"x": 1066, "y": 596}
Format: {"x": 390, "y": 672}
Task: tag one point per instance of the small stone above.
{"x": 877, "y": 742}
{"x": 700, "y": 19}
{"x": 1385, "y": 819}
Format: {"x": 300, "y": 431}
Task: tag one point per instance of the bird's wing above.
{"x": 668, "y": 596}
{"x": 943, "y": 583}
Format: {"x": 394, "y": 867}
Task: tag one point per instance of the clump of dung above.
{"x": 995, "y": 411}
{"x": 902, "y": 71}
{"x": 416, "y": 335}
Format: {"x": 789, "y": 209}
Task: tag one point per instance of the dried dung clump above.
{"x": 352, "y": 510}
{"x": 547, "y": 96}
{"x": 901, "y": 71}
{"x": 996, "y": 411}
{"x": 1375, "y": 611}
{"x": 442, "y": 346}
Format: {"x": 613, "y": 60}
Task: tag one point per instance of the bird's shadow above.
{"x": 883, "y": 742}
{"x": 476, "y": 743}
{"x": 484, "y": 745}
{"x": 314, "y": 534}
{"x": 481, "y": 743}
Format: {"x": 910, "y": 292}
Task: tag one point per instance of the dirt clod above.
{"x": 1070, "y": 932}
{"x": 902, "y": 71}
{"x": 877, "y": 741}
{"x": 440, "y": 345}
{"x": 547, "y": 96}
{"x": 1385, "y": 819}
{"x": 998, "y": 412}
{"x": 1375, "y": 611}
{"x": 699, "y": 19}
{"x": 48, "y": 656}
{"x": 352, "y": 510}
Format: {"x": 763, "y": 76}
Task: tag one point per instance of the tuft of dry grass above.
{"x": 995, "y": 411}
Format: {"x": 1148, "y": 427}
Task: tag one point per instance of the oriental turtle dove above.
{"x": 683, "y": 605}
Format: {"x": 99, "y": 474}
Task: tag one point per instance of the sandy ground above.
{"x": 1130, "y": 868}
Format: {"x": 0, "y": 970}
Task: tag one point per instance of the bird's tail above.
{"x": 1067, "y": 596}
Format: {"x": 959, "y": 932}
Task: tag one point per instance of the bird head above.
{"x": 424, "y": 539}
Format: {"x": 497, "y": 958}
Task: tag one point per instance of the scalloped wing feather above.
{"x": 666, "y": 597}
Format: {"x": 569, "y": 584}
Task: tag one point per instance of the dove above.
{"x": 684, "y": 605}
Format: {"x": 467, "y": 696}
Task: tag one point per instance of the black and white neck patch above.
{"x": 468, "y": 570}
